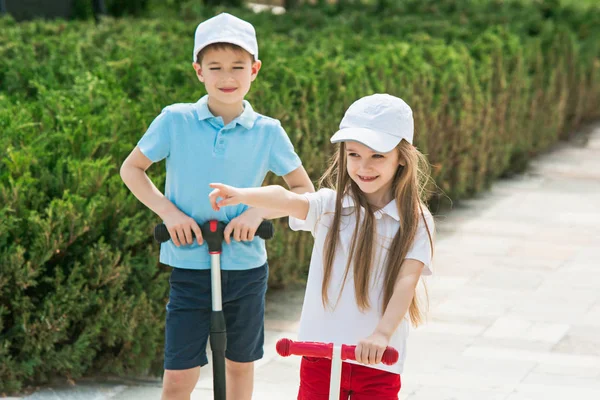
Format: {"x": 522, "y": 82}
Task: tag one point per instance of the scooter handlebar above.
{"x": 161, "y": 233}
{"x": 287, "y": 347}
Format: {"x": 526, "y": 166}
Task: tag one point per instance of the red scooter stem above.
{"x": 287, "y": 347}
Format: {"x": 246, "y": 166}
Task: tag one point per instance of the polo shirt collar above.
{"x": 390, "y": 208}
{"x": 247, "y": 118}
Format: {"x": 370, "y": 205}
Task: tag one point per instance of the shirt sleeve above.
{"x": 319, "y": 203}
{"x": 421, "y": 247}
{"x": 282, "y": 157}
{"x": 156, "y": 142}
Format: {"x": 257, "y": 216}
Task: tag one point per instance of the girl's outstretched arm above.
{"x": 273, "y": 197}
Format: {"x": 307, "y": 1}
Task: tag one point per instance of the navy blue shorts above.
{"x": 189, "y": 309}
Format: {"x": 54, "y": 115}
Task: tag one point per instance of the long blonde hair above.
{"x": 409, "y": 190}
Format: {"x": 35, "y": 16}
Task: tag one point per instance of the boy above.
{"x": 218, "y": 139}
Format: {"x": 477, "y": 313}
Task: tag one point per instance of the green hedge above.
{"x": 492, "y": 83}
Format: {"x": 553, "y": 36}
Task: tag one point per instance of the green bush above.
{"x": 492, "y": 84}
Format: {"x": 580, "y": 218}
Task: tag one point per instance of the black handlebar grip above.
{"x": 265, "y": 231}
{"x": 161, "y": 233}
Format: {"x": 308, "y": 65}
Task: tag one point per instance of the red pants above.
{"x": 358, "y": 382}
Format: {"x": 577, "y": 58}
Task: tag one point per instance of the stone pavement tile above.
{"x": 553, "y": 392}
{"x": 572, "y": 164}
{"x": 565, "y": 360}
{"x": 573, "y": 278}
{"x": 454, "y": 263}
{"x": 141, "y": 393}
{"x": 536, "y": 378}
{"x": 451, "y": 328}
{"x": 408, "y": 391}
{"x": 527, "y": 181}
{"x": 533, "y": 207}
{"x": 574, "y": 235}
{"x": 592, "y": 317}
{"x": 549, "y": 313}
{"x": 582, "y": 297}
{"x": 515, "y": 328}
{"x": 279, "y": 391}
{"x": 473, "y": 243}
{"x": 83, "y": 391}
{"x": 448, "y": 312}
{"x": 528, "y": 262}
{"x": 462, "y": 380}
{"x": 485, "y": 305}
{"x": 513, "y": 343}
{"x": 449, "y": 393}
{"x": 197, "y": 394}
{"x": 439, "y": 288}
{"x": 587, "y": 256}
{"x": 509, "y": 278}
{"x": 572, "y": 371}
{"x": 542, "y": 251}
{"x": 446, "y": 284}
{"x": 580, "y": 340}
{"x": 499, "y": 227}
{"x": 584, "y": 189}
{"x": 420, "y": 361}
{"x": 554, "y": 304}
{"x": 277, "y": 372}
{"x": 510, "y": 372}
{"x": 581, "y": 219}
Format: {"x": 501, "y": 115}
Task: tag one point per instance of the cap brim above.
{"x": 223, "y": 40}
{"x": 376, "y": 141}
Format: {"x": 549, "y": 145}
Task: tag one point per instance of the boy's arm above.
{"x": 133, "y": 173}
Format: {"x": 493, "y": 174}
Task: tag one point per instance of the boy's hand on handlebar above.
{"x": 243, "y": 227}
{"x": 229, "y": 195}
{"x": 180, "y": 227}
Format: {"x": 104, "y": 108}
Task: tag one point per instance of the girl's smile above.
{"x": 367, "y": 178}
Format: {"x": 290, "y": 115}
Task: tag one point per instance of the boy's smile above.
{"x": 227, "y": 90}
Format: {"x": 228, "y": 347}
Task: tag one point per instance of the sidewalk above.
{"x": 515, "y": 299}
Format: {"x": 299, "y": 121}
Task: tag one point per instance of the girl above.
{"x": 373, "y": 241}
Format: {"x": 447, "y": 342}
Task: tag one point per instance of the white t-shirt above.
{"x": 346, "y": 324}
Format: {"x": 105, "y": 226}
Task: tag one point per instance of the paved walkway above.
{"x": 515, "y": 300}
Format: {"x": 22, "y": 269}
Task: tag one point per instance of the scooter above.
{"x": 337, "y": 354}
{"x": 212, "y": 233}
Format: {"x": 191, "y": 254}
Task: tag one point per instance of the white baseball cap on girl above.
{"x": 226, "y": 28}
{"x": 379, "y": 121}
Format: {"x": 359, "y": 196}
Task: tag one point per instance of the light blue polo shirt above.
{"x": 199, "y": 150}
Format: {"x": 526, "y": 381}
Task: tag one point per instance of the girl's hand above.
{"x": 244, "y": 226}
{"x": 370, "y": 349}
{"x": 181, "y": 226}
{"x": 230, "y": 196}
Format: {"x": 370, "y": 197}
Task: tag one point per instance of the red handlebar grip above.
{"x": 287, "y": 347}
{"x": 390, "y": 355}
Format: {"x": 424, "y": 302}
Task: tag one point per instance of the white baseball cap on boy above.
{"x": 225, "y": 28}
{"x": 379, "y": 121}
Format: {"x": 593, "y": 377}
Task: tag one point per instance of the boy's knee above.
{"x": 178, "y": 384}
{"x": 237, "y": 368}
